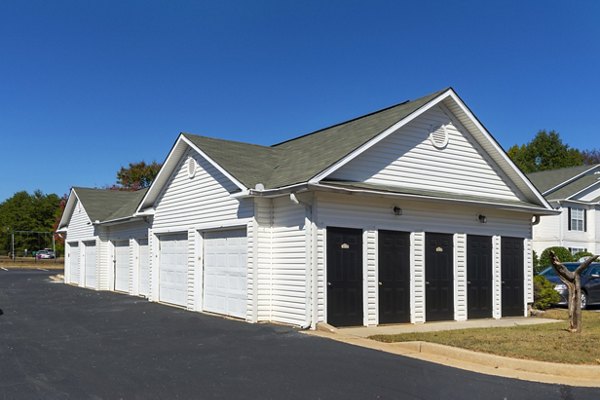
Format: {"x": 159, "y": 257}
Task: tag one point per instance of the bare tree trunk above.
{"x": 572, "y": 279}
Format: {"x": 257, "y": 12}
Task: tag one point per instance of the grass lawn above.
{"x": 545, "y": 342}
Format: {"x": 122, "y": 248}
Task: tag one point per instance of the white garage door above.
{"x": 225, "y": 272}
{"x": 122, "y": 266}
{"x": 172, "y": 280}
{"x": 74, "y": 262}
{"x": 144, "y": 263}
{"x": 90, "y": 264}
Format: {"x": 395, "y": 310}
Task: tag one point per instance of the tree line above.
{"x": 32, "y": 218}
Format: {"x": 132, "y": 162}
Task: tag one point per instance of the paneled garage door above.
{"x": 90, "y": 264}
{"x": 225, "y": 272}
{"x": 172, "y": 279}
{"x": 144, "y": 264}
{"x": 74, "y": 262}
{"x": 122, "y": 265}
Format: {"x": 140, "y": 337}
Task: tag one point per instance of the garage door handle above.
{"x": 468, "y": 282}
{"x": 328, "y": 283}
{"x": 503, "y": 282}
{"x": 427, "y": 282}
{"x": 380, "y": 284}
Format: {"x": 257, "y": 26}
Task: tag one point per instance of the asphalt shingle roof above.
{"x": 300, "y": 159}
{"x": 106, "y": 205}
{"x": 546, "y": 180}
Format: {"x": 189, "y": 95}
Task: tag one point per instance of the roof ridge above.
{"x": 187, "y": 134}
{"x": 405, "y": 102}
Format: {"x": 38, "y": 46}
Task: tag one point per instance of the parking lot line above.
{"x": 4, "y": 268}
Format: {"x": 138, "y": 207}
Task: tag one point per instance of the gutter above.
{"x": 121, "y": 220}
{"x": 336, "y": 189}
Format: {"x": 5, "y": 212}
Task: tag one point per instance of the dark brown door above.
{"x": 344, "y": 277}
{"x": 394, "y": 277}
{"x": 439, "y": 277}
{"x": 479, "y": 276}
{"x": 513, "y": 301}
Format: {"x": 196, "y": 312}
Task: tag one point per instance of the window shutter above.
{"x": 569, "y": 218}
{"x": 585, "y": 220}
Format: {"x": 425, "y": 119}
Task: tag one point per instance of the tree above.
{"x": 572, "y": 279}
{"x": 546, "y": 260}
{"x": 546, "y": 151}
{"x": 591, "y": 157}
{"x": 137, "y": 176}
{"x": 28, "y": 212}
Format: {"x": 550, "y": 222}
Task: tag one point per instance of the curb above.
{"x": 483, "y": 363}
{"x": 494, "y": 361}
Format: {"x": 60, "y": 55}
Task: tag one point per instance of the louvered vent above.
{"x": 191, "y": 167}
{"x": 439, "y": 137}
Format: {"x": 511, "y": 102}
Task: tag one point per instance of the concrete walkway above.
{"x": 536, "y": 371}
{"x": 366, "y": 331}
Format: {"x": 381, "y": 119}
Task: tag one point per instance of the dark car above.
{"x": 590, "y": 284}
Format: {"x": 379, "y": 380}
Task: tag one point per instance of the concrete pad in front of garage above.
{"x": 366, "y": 331}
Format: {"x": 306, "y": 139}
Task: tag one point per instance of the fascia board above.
{"x": 570, "y": 180}
{"x": 571, "y": 197}
{"x": 166, "y": 169}
{"x": 68, "y": 211}
{"x": 240, "y": 185}
{"x": 359, "y": 150}
{"x": 496, "y": 146}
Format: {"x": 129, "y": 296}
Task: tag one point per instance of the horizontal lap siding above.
{"x": 264, "y": 219}
{"x": 80, "y": 226}
{"x": 204, "y": 199}
{"x": 408, "y": 159}
{"x": 288, "y": 273}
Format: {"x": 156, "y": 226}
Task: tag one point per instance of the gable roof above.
{"x": 300, "y": 159}
{"x": 312, "y": 157}
{"x": 563, "y": 183}
{"x": 102, "y": 205}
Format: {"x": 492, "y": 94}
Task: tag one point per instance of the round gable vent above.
{"x": 192, "y": 166}
{"x": 439, "y": 137}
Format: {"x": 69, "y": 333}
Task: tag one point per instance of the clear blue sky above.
{"x": 89, "y": 86}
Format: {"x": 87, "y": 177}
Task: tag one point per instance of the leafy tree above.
{"x": 28, "y": 212}
{"x": 137, "y": 176}
{"x": 546, "y": 151}
{"x": 591, "y": 157}
{"x": 581, "y": 254}
{"x": 545, "y": 259}
{"x": 572, "y": 279}
{"x": 544, "y": 295}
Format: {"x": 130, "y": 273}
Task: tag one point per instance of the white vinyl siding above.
{"x": 408, "y": 159}
{"x": 202, "y": 200}
{"x": 418, "y": 218}
{"x": 288, "y": 273}
{"x": 80, "y": 226}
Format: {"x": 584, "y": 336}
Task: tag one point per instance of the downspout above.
{"x": 308, "y": 323}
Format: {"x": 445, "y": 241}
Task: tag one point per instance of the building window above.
{"x": 575, "y": 250}
{"x": 577, "y": 220}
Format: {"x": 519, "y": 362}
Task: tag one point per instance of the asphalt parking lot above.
{"x": 64, "y": 342}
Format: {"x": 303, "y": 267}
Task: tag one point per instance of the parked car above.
{"x": 44, "y": 254}
{"x": 590, "y": 284}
